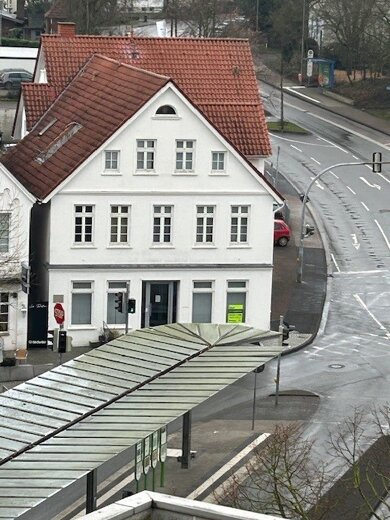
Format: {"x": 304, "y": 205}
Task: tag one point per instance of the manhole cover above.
{"x": 336, "y": 365}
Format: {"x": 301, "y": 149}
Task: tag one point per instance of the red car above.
{"x": 281, "y": 233}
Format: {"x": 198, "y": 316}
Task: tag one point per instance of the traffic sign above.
{"x": 163, "y": 444}
{"x": 147, "y": 455}
{"x": 59, "y": 313}
{"x": 309, "y": 71}
{"x": 310, "y": 53}
{"x": 139, "y": 454}
{"x": 377, "y": 162}
{"x": 155, "y": 449}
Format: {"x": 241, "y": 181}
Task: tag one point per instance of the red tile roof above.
{"x": 216, "y": 74}
{"x": 59, "y": 9}
{"x": 80, "y": 120}
{"x": 37, "y": 99}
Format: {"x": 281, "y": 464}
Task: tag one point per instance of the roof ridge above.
{"x": 127, "y": 65}
{"x": 154, "y": 38}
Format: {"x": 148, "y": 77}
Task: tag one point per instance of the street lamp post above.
{"x": 303, "y": 37}
{"x": 305, "y": 199}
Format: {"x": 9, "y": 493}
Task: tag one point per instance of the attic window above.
{"x": 166, "y": 110}
{"x": 58, "y": 142}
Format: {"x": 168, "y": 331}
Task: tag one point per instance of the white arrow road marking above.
{"x": 318, "y": 184}
{"x": 369, "y": 184}
{"x": 382, "y": 327}
{"x": 355, "y": 242}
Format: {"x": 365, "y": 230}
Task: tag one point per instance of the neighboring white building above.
{"x": 149, "y": 6}
{"x": 15, "y": 206}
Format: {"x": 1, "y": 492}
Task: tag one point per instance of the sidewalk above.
{"x": 320, "y": 98}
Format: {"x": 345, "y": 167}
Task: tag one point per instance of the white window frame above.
{"x": 162, "y": 216}
{"x": 83, "y": 215}
{"x": 7, "y": 232}
{"x": 113, "y": 290}
{"x": 204, "y": 215}
{"x": 185, "y": 150}
{"x": 217, "y": 161}
{"x": 5, "y": 304}
{"x": 203, "y": 290}
{"x": 243, "y": 289}
{"x": 121, "y": 217}
{"x": 240, "y": 216}
{"x": 81, "y": 290}
{"x": 145, "y": 150}
{"x": 108, "y": 161}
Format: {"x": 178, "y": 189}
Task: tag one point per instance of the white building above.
{"x": 137, "y": 185}
{"x": 15, "y": 206}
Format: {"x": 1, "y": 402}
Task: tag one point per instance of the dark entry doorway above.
{"x": 158, "y": 303}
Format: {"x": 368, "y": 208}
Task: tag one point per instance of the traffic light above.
{"x": 62, "y": 341}
{"x": 131, "y": 306}
{"x": 52, "y": 339}
{"x": 119, "y": 301}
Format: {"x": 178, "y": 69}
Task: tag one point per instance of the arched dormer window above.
{"x": 166, "y": 110}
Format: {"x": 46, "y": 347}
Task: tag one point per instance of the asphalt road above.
{"x": 348, "y": 364}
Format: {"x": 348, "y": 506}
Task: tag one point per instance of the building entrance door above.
{"x": 159, "y": 307}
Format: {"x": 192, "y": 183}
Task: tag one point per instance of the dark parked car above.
{"x": 11, "y": 79}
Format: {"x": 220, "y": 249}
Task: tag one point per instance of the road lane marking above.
{"x": 355, "y": 241}
{"x": 357, "y": 158}
{"x": 364, "y": 206}
{"x": 303, "y": 95}
{"x": 381, "y": 326}
{"x": 342, "y": 127}
{"x": 383, "y": 233}
{"x": 376, "y": 271}
{"x": 351, "y": 190}
{"x": 334, "y": 175}
{"x": 335, "y": 263}
{"x": 318, "y": 184}
{"x": 315, "y": 160}
{"x": 296, "y": 148}
{"x": 333, "y": 144}
{"x": 369, "y": 183}
{"x": 383, "y": 177}
{"x": 228, "y": 466}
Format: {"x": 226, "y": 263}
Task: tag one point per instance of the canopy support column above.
{"x": 90, "y": 504}
{"x": 186, "y": 441}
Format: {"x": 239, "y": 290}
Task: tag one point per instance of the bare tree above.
{"x": 280, "y": 479}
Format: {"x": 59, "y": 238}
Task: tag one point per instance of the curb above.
{"x": 329, "y": 109}
{"x": 329, "y": 277}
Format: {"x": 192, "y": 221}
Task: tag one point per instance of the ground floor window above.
{"x": 114, "y": 316}
{"x": 202, "y": 301}
{"x": 4, "y": 308}
{"x": 236, "y": 301}
{"x": 82, "y": 303}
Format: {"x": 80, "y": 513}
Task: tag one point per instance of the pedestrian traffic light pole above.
{"x": 376, "y": 164}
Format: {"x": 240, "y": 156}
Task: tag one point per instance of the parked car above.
{"x": 11, "y": 79}
{"x": 281, "y": 233}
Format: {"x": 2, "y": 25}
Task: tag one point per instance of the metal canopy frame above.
{"x": 64, "y": 424}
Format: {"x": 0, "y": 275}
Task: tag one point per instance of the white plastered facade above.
{"x": 182, "y": 261}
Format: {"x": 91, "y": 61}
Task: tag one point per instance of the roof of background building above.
{"x": 59, "y": 10}
{"x": 216, "y": 74}
{"x": 93, "y": 107}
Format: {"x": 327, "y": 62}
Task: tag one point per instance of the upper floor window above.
{"x": 119, "y": 231}
{"x": 145, "y": 154}
{"x": 4, "y": 232}
{"x": 205, "y": 224}
{"x": 185, "y": 151}
{"x": 162, "y": 224}
{"x": 111, "y": 160}
{"x": 83, "y": 229}
{"x": 218, "y": 161}
{"x": 239, "y": 224}
{"x": 166, "y": 110}
{"x": 4, "y": 308}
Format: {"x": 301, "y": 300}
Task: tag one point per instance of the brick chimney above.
{"x": 66, "y": 29}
